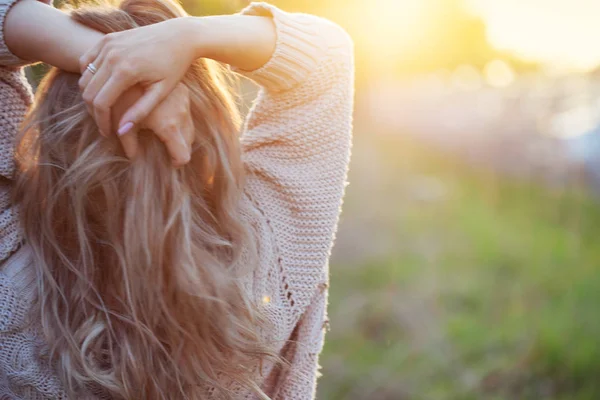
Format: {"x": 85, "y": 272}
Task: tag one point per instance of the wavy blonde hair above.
{"x": 138, "y": 263}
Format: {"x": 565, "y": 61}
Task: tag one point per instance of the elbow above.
{"x": 341, "y": 45}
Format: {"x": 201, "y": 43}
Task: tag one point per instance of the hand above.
{"x": 154, "y": 56}
{"x": 171, "y": 121}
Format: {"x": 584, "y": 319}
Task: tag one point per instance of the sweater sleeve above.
{"x": 300, "y": 380}
{"x": 297, "y": 142}
{"x": 8, "y": 59}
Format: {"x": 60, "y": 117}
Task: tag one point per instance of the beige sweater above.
{"x": 296, "y": 145}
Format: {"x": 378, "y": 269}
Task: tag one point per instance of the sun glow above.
{"x": 388, "y": 28}
{"x": 559, "y": 33}
{"x": 397, "y": 20}
{"x": 562, "y": 33}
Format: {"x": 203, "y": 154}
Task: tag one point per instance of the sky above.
{"x": 562, "y": 33}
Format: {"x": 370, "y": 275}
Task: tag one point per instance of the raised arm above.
{"x": 296, "y": 149}
{"x": 34, "y": 31}
{"x": 158, "y": 56}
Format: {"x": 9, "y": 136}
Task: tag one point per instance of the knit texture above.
{"x": 296, "y": 149}
{"x": 15, "y": 97}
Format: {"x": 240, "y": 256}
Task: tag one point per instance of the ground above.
{"x": 451, "y": 282}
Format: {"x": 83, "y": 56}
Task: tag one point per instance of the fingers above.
{"x": 85, "y": 79}
{"x": 172, "y": 136}
{"x": 178, "y": 149}
{"x": 184, "y": 113}
{"x": 170, "y": 119}
{"x": 130, "y": 143}
{"x": 96, "y": 109}
{"x": 113, "y": 78}
{"x": 108, "y": 95}
{"x": 188, "y": 132}
{"x": 176, "y": 133}
{"x": 153, "y": 96}
{"x": 90, "y": 93}
{"x": 102, "y": 89}
{"x": 92, "y": 55}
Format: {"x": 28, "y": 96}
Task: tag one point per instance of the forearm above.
{"x": 245, "y": 42}
{"x": 36, "y": 32}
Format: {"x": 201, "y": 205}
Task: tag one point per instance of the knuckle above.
{"x": 99, "y": 104}
{"x": 111, "y": 58}
{"x": 171, "y": 127}
{"x": 124, "y": 71}
{"x": 182, "y": 114}
{"x": 83, "y": 61}
{"x": 128, "y": 69}
{"x": 137, "y": 116}
{"x": 87, "y": 97}
{"x": 107, "y": 39}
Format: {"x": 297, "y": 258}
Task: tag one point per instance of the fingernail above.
{"x": 125, "y": 128}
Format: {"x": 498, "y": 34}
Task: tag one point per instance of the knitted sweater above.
{"x": 296, "y": 147}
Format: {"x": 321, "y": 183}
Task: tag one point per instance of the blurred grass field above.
{"x": 450, "y": 282}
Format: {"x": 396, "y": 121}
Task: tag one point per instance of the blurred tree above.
{"x": 454, "y": 37}
{"x": 458, "y": 38}
{"x": 212, "y": 7}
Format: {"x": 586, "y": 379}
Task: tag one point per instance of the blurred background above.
{"x": 466, "y": 264}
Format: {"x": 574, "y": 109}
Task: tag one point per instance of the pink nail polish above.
{"x": 125, "y": 128}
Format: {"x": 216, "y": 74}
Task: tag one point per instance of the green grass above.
{"x": 490, "y": 290}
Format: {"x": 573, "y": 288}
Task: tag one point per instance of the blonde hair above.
{"x": 138, "y": 263}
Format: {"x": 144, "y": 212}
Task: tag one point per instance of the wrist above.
{"x": 245, "y": 42}
{"x": 197, "y": 32}
{"x": 74, "y": 47}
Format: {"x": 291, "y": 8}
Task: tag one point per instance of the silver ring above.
{"x": 92, "y": 68}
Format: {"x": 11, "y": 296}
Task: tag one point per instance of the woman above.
{"x": 208, "y": 281}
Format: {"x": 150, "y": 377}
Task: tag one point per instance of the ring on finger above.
{"x": 92, "y": 68}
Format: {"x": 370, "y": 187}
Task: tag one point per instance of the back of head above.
{"x": 139, "y": 295}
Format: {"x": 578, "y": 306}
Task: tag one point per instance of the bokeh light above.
{"x": 498, "y": 74}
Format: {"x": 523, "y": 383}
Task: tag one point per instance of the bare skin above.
{"x": 37, "y": 32}
{"x": 151, "y": 57}
{"x": 157, "y": 56}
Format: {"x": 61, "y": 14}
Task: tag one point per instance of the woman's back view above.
{"x": 156, "y": 282}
